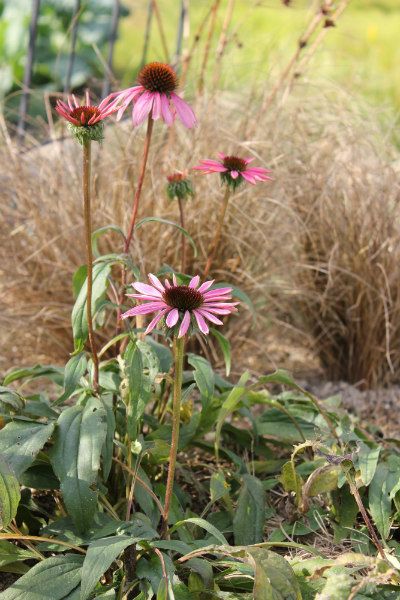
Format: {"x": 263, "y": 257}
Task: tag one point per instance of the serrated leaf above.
{"x": 75, "y": 457}
{"x": 99, "y": 557}
{"x": 248, "y": 522}
{"x": 78, "y": 316}
{"x": 9, "y": 494}
{"x": 55, "y": 578}
{"x": 20, "y": 441}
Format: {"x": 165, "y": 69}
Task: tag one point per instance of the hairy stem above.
{"x": 89, "y": 255}
{"x": 179, "y": 346}
{"x": 218, "y": 232}
{"x": 183, "y": 238}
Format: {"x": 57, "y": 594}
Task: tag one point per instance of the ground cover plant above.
{"x": 153, "y": 464}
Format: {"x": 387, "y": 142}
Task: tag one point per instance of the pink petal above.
{"x": 248, "y": 178}
{"x": 144, "y": 297}
{"x": 156, "y": 282}
{"x": 167, "y": 284}
{"x": 205, "y": 286}
{"x": 174, "y": 279}
{"x": 201, "y": 322}
{"x": 194, "y": 282}
{"x": 184, "y": 111}
{"x": 155, "y": 321}
{"x": 210, "y": 316}
{"x": 234, "y": 174}
{"x": 221, "y": 155}
{"x": 165, "y": 110}
{"x": 144, "y": 309}
{"x": 143, "y": 288}
{"x": 184, "y": 325}
{"x": 172, "y": 317}
{"x": 142, "y": 108}
{"x": 156, "y": 114}
{"x": 248, "y": 160}
{"x": 218, "y": 292}
{"x": 217, "y": 311}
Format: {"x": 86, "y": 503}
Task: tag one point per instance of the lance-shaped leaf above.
{"x": 9, "y": 494}
{"x": 20, "y": 441}
{"x": 274, "y": 578}
{"x": 78, "y": 317}
{"x": 55, "y": 578}
{"x": 75, "y": 457}
{"x": 248, "y": 522}
{"x": 74, "y": 370}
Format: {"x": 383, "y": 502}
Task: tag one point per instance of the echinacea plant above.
{"x": 233, "y": 171}
{"x": 180, "y": 188}
{"x": 183, "y": 310}
{"x": 86, "y": 125}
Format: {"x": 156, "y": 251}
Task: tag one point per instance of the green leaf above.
{"x": 280, "y": 376}
{"x": 78, "y": 317}
{"x": 248, "y": 522}
{"x": 10, "y": 553}
{"x": 55, "y": 578}
{"x": 229, "y": 406}
{"x": 203, "y": 376}
{"x": 75, "y": 457}
{"x": 11, "y": 399}
{"x": 20, "y": 441}
{"x": 323, "y": 481}
{"x": 204, "y": 525}
{"x": 274, "y": 578}
{"x": 291, "y": 480}
{"x": 367, "y": 461}
{"x": 166, "y": 222}
{"x": 74, "y": 370}
{"x": 218, "y": 486}
{"x": 225, "y": 346}
{"x": 380, "y": 503}
{"x": 53, "y": 373}
{"x": 78, "y": 279}
{"x": 9, "y": 494}
{"x": 338, "y": 586}
{"x": 99, "y": 557}
{"x": 107, "y": 451}
{"x": 101, "y": 231}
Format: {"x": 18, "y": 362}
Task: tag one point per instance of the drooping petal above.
{"x": 156, "y": 114}
{"x": 194, "y": 282}
{"x": 201, "y": 322}
{"x": 156, "y": 282}
{"x": 184, "y": 325}
{"x": 172, "y": 317}
{"x": 166, "y": 111}
{"x": 144, "y": 288}
{"x": 142, "y": 108}
{"x": 248, "y": 178}
{"x": 184, "y": 111}
{"x": 155, "y": 321}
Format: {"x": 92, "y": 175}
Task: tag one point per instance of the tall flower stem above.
{"x": 183, "y": 239}
{"x": 218, "y": 232}
{"x": 86, "y": 164}
{"x": 135, "y": 207}
{"x": 179, "y": 347}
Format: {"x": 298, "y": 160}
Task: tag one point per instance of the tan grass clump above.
{"x": 317, "y": 250}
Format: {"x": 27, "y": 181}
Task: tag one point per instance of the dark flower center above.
{"x": 234, "y": 163}
{"x": 158, "y": 77}
{"x": 83, "y": 114}
{"x": 183, "y": 297}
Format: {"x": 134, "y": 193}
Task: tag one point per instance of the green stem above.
{"x": 183, "y": 237}
{"x": 179, "y": 346}
{"x": 217, "y": 237}
{"x": 89, "y": 255}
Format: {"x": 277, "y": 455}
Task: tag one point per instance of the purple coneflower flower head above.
{"x": 85, "y": 120}
{"x": 234, "y": 170}
{"x": 155, "y": 95}
{"x": 179, "y": 186}
{"x": 184, "y": 309}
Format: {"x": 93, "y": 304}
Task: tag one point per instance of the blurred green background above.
{"x": 361, "y": 53}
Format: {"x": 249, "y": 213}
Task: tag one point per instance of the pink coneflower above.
{"x": 233, "y": 170}
{"x": 156, "y": 95}
{"x": 87, "y": 114}
{"x": 182, "y": 306}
